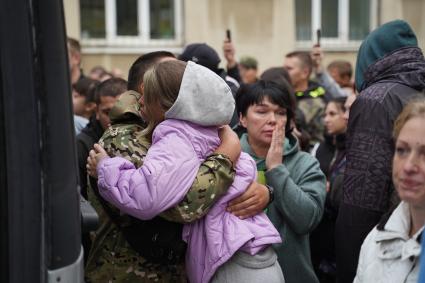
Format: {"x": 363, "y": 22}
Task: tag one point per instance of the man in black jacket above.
{"x": 390, "y": 71}
{"x": 106, "y": 93}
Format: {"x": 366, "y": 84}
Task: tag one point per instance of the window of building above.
{"x": 127, "y": 24}
{"x": 343, "y": 23}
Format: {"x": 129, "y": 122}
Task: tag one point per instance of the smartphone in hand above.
{"x": 228, "y": 35}
{"x": 318, "y": 35}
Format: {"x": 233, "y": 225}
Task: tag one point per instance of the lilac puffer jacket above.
{"x": 169, "y": 170}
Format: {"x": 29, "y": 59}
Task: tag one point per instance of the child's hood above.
{"x": 204, "y": 98}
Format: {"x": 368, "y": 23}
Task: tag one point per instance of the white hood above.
{"x": 204, "y": 98}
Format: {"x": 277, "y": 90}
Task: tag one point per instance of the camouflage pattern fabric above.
{"x": 214, "y": 177}
{"x": 313, "y": 110}
{"x": 111, "y": 258}
{"x": 128, "y": 141}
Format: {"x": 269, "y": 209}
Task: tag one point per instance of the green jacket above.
{"x": 299, "y": 197}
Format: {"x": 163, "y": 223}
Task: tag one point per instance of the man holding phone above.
{"x": 229, "y": 54}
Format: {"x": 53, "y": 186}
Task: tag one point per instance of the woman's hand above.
{"x": 253, "y": 201}
{"x": 230, "y": 145}
{"x": 95, "y": 155}
{"x": 275, "y": 154}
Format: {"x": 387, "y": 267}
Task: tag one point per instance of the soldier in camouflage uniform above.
{"x": 311, "y": 96}
{"x": 112, "y": 258}
{"x": 312, "y": 104}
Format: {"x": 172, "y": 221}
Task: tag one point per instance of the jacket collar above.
{"x": 394, "y": 240}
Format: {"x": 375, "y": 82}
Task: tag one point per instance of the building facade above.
{"x": 113, "y": 33}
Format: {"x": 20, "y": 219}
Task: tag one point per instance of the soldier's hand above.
{"x": 230, "y": 145}
{"x": 95, "y": 155}
{"x": 250, "y": 203}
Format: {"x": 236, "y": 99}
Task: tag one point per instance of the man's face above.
{"x": 297, "y": 72}
{"x": 248, "y": 75}
{"x": 78, "y": 103}
{"x": 74, "y": 58}
{"x": 102, "y": 113}
{"x": 343, "y": 81}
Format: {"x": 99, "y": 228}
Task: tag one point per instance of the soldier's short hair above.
{"x": 111, "y": 87}
{"x": 343, "y": 67}
{"x": 86, "y": 87}
{"x": 304, "y": 58}
{"x": 250, "y": 94}
{"x": 141, "y": 65}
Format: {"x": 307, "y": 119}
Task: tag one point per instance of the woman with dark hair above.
{"x": 266, "y": 110}
{"x": 280, "y": 76}
{"x": 331, "y": 156}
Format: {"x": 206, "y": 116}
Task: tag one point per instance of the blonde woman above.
{"x": 390, "y": 253}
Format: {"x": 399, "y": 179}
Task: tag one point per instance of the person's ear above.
{"x": 242, "y": 120}
{"x": 141, "y": 88}
{"x": 306, "y": 73}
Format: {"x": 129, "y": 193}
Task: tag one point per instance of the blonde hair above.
{"x": 161, "y": 88}
{"x": 413, "y": 109}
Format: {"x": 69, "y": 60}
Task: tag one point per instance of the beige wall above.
{"x": 72, "y": 17}
{"x": 414, "y": 13}
{"x": 261, "y": 28}
{"x": 122, "y": 62}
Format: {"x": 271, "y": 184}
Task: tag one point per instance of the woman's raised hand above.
{"x": 95, "y": 155}
{"x": 275, "y": 154}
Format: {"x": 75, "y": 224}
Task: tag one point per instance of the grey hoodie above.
{"x": 204, "y": 98}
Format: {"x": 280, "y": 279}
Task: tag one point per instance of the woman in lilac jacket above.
{"x": 184, "y": 104}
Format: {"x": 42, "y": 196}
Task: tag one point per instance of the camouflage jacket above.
{"x": 125, "y": 138}
{"x": 312, "y": 104}
{"x": 111, "y": 257}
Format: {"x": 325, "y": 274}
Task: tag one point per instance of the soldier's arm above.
{"x": 215, "y": 176}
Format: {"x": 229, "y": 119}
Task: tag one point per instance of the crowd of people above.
{"x": 303, "y": 173}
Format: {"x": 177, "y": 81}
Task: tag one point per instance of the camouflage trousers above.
{"x": 112, "y": 259}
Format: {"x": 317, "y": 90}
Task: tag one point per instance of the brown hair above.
{"x": 111, "y": 87}
{"x": 161, "y": 88}
{"x": 141, "y": 65}
{"x": 413, "y": 109}
{"x": 304, "y": 57}
{"x": 343, "y": 67}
